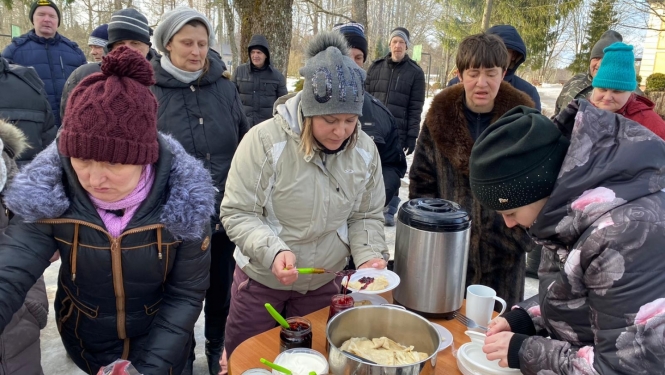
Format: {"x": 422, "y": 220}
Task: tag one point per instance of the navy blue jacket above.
{"x": 54, "y": 59}
{"x": 512, "y": 39}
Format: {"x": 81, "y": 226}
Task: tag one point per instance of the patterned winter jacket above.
{"x": 601, "y": 299}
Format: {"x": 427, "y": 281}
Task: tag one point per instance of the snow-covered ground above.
{"x": 55, "y": 361}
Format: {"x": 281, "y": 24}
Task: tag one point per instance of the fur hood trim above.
{"x": 13, "y": 138}
{"x": 321, "y": 41}
{"x": 448, "y": 126}
{"x": 37, "y": 192}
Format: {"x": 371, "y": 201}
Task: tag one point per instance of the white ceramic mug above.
{"x": 480, "y": 303}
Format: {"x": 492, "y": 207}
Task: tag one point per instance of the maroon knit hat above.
{"x": 112, "y": 116}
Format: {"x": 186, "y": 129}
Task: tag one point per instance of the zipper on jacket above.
{"x": 116, "y": 263}
{"x": 392, "y": 70}
{"x": 62, "y": 66}
{"x": 50, "y": 64}
{"x": 192, "y": 88}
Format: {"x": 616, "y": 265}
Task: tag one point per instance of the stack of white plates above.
{"x": 472, "y": 361}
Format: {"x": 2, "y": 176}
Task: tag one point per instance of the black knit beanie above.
{"x": 44, "y": 3}
{"x": 516, "y": 160}
{"x": 608, "y": 38}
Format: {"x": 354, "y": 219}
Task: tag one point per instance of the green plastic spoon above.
{"x": 275, "y": 367}
{"x": 277, "y": 317}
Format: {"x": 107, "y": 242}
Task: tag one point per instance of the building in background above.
{"x": 653, "y": 55}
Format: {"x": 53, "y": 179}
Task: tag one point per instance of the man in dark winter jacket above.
{"x": 97, "y": 42}
{"x": 259, "y": 84}
{"x": 23, "y": 103}
{"x": 517, "y": 52}
{"x": 128, "y": 27}
{"x": 376, "y": 120}
{"x": 399, "y": 83}
{"x": 53, "y": 56}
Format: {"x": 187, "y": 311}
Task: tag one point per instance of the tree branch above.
{"x": 319, "y": 9}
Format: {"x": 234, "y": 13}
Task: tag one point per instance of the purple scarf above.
{"x": 114, "y": 223}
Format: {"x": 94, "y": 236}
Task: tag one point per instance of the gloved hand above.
{"x": 410, "y": 146}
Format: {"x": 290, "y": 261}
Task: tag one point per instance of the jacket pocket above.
{"x": 269, "y": 87}
{"x": 90, "y": 312}
{"x": 154, "y": 308}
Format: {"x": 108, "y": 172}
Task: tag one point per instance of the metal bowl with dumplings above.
{"x": 393, "y": 322}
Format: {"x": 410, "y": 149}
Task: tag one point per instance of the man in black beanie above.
{"x": 399, "y": 83}
{"x": 53, "y": 56}
{"x": 128, "y": 27}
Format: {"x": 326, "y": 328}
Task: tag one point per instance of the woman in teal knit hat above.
{"x": 613, "y": 88}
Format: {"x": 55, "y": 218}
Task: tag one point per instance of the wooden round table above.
{"x": 266, "y": 344}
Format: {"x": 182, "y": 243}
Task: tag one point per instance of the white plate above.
{"x": 446, "y": 336}
{"x": 393, "y": 279}
{"x": 373, "y": 298}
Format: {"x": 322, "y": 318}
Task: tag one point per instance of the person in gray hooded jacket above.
{"x": 258, "y": 82}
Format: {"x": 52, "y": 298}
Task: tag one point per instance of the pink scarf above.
{"x": 114, "y": 223}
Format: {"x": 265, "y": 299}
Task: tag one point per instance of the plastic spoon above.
{"x": 316, "y": 271}
{"x": 279, "y": 318}
{"x": 275, "y": 367}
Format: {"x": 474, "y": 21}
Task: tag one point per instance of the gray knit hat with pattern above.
{"x": 174, "y": 20}
{"x": 334, "y": 83}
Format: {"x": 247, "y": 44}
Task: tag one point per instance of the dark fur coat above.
{"x": 440, "y": 169}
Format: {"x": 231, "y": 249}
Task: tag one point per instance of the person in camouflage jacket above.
{"x": 601, "y": 304}
{"x": 579, "y": 87}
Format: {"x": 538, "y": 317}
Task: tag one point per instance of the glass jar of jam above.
{"x": 299, "y": 334}
{"x": 339, "y": 303}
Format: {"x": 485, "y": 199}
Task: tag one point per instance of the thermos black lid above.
{"x": 434, "y": 215}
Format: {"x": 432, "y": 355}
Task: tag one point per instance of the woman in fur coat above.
{"x": 440, "y": 166}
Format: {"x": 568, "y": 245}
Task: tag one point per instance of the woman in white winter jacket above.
{"x": 305, "y": 189}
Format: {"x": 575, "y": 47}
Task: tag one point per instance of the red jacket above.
{"x": 640, "y": 109}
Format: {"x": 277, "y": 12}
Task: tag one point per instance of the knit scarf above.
{"x": 177, "y": 73}
{"x": 116, "y": 224}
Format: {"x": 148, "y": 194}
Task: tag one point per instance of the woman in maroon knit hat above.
{"x": 128, "y": 209}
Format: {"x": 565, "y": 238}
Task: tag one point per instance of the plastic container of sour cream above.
{"x": 302, "y": 361}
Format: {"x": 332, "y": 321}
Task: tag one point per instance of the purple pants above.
{"x": 248, "y": 316}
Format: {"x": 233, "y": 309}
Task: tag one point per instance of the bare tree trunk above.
{"x": 117, "y": 4}
{"x": 359, "y": 13}
{"x": 315, "y": 17}
{"x": 229, "y": 20}
{"x": 272, "y": 19}
{"x": 487, "y": 14}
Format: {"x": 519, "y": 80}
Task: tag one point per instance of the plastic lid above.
{"x": 472, "y": 358}
{"x": 434, "y": 215}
